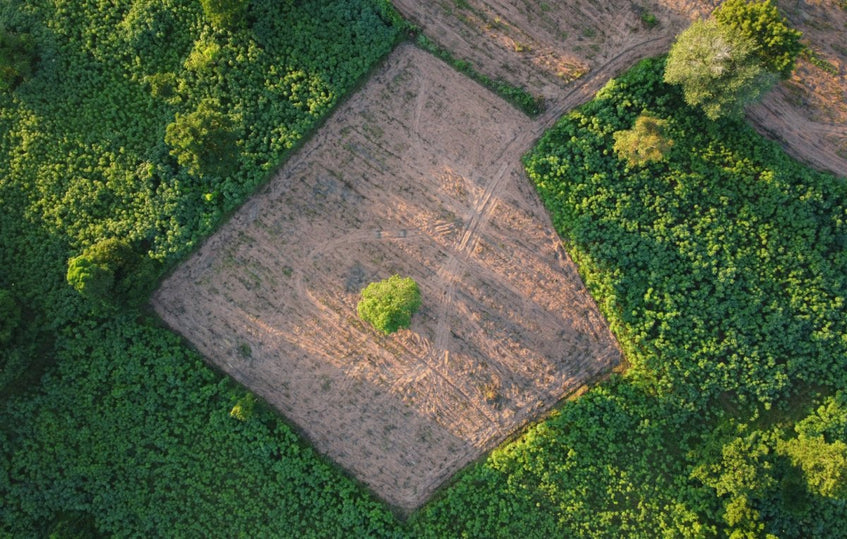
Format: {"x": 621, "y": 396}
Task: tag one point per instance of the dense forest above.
{"x": 721, "y": 267}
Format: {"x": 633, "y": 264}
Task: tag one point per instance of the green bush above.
{"x": 225, "y": 14}
{"x": 110, "y": 272}
{"x": 388, "y": 305}
{"x": 645, "y": 142}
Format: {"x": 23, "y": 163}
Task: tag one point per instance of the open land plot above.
{"x": 547, "y": 47}
{"x": 418, "y": 174}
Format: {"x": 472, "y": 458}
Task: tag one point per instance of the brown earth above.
{"x": 417, "y": 174}
{"x": 546, "y": 46}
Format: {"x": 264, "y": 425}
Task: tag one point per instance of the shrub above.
{"x": 225, "y": 14}
{"x": 645, "y": 142}
{"x": 388, "y": 305}
{"x": 110, "y": 272}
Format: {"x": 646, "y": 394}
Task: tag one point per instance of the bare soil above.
{"x": 418, "y": 174}
{"x": 547, "y": 47}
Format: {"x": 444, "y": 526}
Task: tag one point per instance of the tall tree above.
{"x": 717, "y": 68}
{"x": 776, "y": 43}
{"x": 204, "y": 140}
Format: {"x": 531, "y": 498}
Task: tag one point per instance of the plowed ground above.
{"x": 546, "y": 46}
{"x": 418, "y": 174}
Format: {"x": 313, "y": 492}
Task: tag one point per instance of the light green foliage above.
{"x": 204, "y": 140}
{"x": 645, "y": 142}
{"x": 777, "y": 45}
{"x": 824, "y": 464}
{"x": 717, "y": 69}
{"x": 388, "y": 305}
{"x": 10, "y": 315}
{"x": 203, "y": 56}
{"x": 17, "y": 55}
{"x": 243, "y": 409}
{"x": 225, "y": 14}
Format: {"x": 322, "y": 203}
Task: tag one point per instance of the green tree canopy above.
{"x": 204, "y": 140}
{"x": 16, "y": 58}
{"x": 717, "y": 69}
{"x": 10, "y": 315}
{"x": 388, "y": 305}
{"x": 776, "y": 43}
{"x": 645, "y": 142}
{"x": 109, "y": 272}
{"x": 225, "y": 14}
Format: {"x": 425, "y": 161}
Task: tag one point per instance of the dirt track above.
{"x": 546, "y": 46}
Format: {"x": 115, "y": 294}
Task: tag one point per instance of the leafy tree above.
{"x": 388, "y": 305}
{"x": 824, "y": 464}
{"x": 10, "y": 315}
{"x": 225, "y": 14}
{"x": 204, "y": 140}
{"x": 717, "y": 69}
{"x": 776, "y": 43}
{"x": 645, "y": 142}
{"x": 110, "y": 272}
{"x": 90, "y": 277}
{"x": 16, "y": 58}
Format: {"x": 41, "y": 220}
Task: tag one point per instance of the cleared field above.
{"x": 417, "y": 174}
{"x": 546, "y": 46}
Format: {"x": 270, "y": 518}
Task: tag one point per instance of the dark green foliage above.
{"x": 388, "y": 305}
{"x": 17, "y": 56}
{"x": 225, "y": 14}
{"x": 204, "y": 140}
{"x": 10, "y": 316}
{"x": 108, "y": 424}
{"x": 723, "y": 272}
{"x": 777, "y": 45}
{"x": 110, "y": 272}
{"x": 717, "y": 69}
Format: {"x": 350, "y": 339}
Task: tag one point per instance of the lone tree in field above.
{"x": 645, "y": 142}
{"x": 204, "y": 141}
{"x": 388, "y": 305}
{"x": 717, "y": 69}
{"x": 777, "y": 45}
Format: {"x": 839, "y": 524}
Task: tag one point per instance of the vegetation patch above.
{"x": 388, "y": 305}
